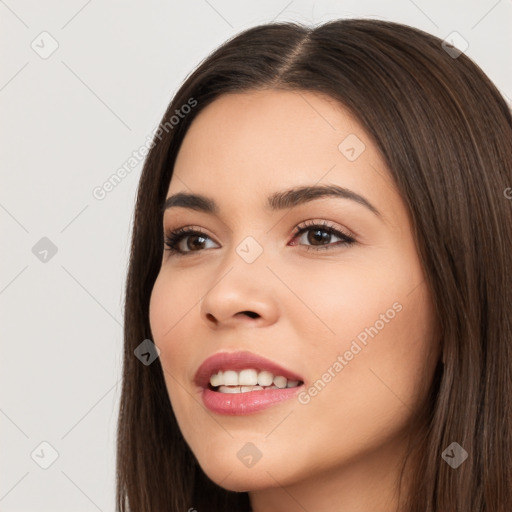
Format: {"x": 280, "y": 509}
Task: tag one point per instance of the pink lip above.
{"x": 242, "y": 403}
{"x": 238, "y": 361}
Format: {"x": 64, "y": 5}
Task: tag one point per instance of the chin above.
{"x": 239, "y": 478}
{"x": 248, "y": 482}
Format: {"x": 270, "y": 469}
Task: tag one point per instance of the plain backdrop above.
{"x": 82, "y": 86}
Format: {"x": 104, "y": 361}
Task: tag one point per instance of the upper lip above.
{"x": 238, "y": 361}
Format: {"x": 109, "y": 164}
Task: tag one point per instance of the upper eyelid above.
{"x": 305, "y": 224}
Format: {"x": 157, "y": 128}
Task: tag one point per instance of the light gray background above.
{"x": 68, "y": 122}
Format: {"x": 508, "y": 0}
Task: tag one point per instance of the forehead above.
{"x": 244, "y": 146}
{"x": 259, "y": 126}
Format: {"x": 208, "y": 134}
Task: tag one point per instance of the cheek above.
{"x": 171, "y": 306}
{"x": 161, "y": 307}
{"x": 340, "y": 301}
{"x": 379, "y": 320}
{"x": 171, "y": 302}
{"x": 385, "y": 382}
{"x": 386, "y": 345}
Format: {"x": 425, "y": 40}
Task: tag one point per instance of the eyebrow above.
{"x": 277, "y": 201}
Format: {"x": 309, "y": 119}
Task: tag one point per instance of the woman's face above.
{"x": 341, "y": 306}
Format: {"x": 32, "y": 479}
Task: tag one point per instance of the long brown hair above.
{"x": 445, "y": 133}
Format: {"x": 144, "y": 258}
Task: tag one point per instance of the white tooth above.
{"x": 292, "y": 383}
{"x": 245, "y": 389}
{"x": 265, "y": 378}
{"x": 230, "y": 378}
{"x": 226, "y": 389}
{"x": 280, "y": 381}
{"x": 216, "y": 379}
{"x": 248, "y": 378}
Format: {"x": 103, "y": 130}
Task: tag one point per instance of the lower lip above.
{"x": 246, "y": 403}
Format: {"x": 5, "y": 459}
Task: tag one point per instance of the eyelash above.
{"x": 173, "y": 238}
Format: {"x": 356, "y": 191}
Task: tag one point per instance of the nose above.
{"x": 241, "y": 296}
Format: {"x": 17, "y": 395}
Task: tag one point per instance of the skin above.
{"x": 344, "y": 447}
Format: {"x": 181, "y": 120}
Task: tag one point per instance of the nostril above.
{"x": 250, "y": 313}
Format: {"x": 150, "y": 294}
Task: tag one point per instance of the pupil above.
{"x": 198, "y": 241}
{"x": 318, "y": 236}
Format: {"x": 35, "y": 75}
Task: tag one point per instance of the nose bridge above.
{"x": 249, "y": 244}
{"x": 241, "y": 285}
{"x": 244, "y": 268}
{"x": 250, "y": 249}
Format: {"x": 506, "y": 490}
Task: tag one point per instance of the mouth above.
{"x": 243, "y": 383}
{"x": 249, "y": 380}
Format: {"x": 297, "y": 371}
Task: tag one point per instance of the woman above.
{"x": 321, "y": 256}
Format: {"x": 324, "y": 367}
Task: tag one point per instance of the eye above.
{"x": 185, "y": 241}
{"x": 320, "y": 234}
{"x": 188, "y": 240}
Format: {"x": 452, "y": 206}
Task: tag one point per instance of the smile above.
{"x": 247, "y": 380}
{"x": 244, "y": 383}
